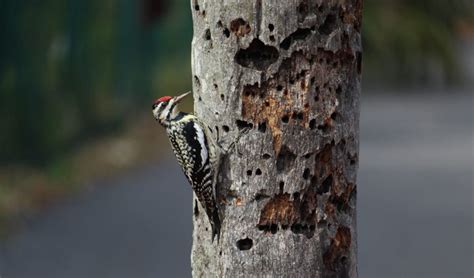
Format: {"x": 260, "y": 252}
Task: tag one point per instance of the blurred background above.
{"x": 86, "y": 176}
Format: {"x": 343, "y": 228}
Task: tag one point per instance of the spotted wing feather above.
{"x": 190, "y": 144}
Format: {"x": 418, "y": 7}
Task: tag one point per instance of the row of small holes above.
{"x": 258, "y": 172}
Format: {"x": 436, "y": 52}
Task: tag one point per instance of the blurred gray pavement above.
{"x": 134, "y": 225}
{"x": 415, "y": 186}
{"x": 415, "y": 214}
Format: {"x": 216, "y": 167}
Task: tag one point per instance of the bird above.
{"x": 196, "y": 150}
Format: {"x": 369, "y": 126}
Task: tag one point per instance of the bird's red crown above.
{"x": 162, "y": 99}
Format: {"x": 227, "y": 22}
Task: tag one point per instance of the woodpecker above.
{"x": 196, "y": 150}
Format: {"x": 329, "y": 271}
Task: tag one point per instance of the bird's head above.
{"x": 165, "y": 108}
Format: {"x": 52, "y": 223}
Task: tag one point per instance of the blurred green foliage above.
{"x": 406, "y": 42}
{"x": 70, "y": 70}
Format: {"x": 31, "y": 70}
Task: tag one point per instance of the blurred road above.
{"x": 414, "y": 205}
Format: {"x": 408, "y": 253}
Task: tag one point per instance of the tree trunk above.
{"x": 289, "y": 71}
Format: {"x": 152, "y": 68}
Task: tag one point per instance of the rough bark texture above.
{"x": 289, "y": 71}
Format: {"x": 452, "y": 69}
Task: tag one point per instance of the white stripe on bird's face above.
{"x": 166, "y": 110}
{"x": 162, "y": 110}
{"x": 156, "y": 111}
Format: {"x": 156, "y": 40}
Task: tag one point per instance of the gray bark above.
{"x": 289, "y": 71}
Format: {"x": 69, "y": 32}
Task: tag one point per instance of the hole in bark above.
{"x": 244, "y": 244}
{"x": 197, "y": 81}
{"x": 299, "y": 34}
{"x": 285, "y": 119}
{"x": 316, "y": 98}
{"x": 314, "y": 181}
{"x": 207, "y": 35}
{"x": 222, "y": 97}
{"x": 303, "y": 8}
{"x": 326, "y": 185}
{"x": 281, "y": 185}
{"x": 196, "y": 7}
{"x": 249, "y": 172}
{"x": 272, "y": 38}
{"x": 285, "y": 159}
{"x": 324, "y": 127}
{"x": 279, "y": 87}
{"x": 243, "y": 124}
{"x": 258, "y": 172}
{"x": 219, "y": 24}
{"x": 302, "y": 74}
{"x": 266, "y": 156}
{"x": 352, "y": 158}
{"x": 225, "y": 128}
{"x": 199, "y": 98}
{"x": 308, "y": 155}
{"x": 338, "y": 90}
{"x": 300, "y": 116}
{"x": 271, "y": 27}
{"x": 260, "y": 196}
{"x": 312, "y": 124}
{"x": 338, "y": 248}
{"x": 343, "y": 260}
{"x": 335, "y": 116}
{"x": 262, "y": 127}
{"x": 196, "y": 209}
{"x": 226, "y": 32}
{"x": 312, "y": 80}
{"x": 239, "y": 27}
{"x": 296, "y": 196}
{"x": 215, "y": 86}
{"x": 257, "y": 56}
{"x": 329, "y": 24}
{"x": 297, "y": 228}
{"x": 306, "y": 174}
{"x": 273, "y": 228}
